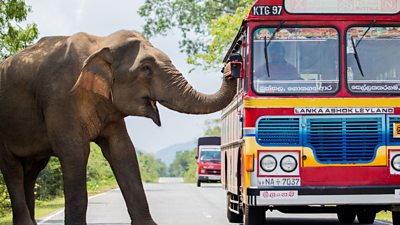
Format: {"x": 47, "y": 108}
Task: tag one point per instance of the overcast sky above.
{"x": 65, "y": 17}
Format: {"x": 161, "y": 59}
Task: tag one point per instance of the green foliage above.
{"x": 213, "y": 127}
{"x": 99, "y": 173}
{"x": 14, "y": 37}
{"x": 151, "y": 168}
{"x": 184, "y": 164}
{"x": 207, "y": 26}
{"x": 189, "y": 176}
{"x": 50, "y": 181}
{"x": 5, "y": 204}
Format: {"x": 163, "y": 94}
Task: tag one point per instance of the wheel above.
{"x": 233, "y": 217}
{"x": 366, "y": 216}
{"x": 254, "y": 215}
{"x": 198, "y": 183}
{"x": 346, "y": 217}
{"x": 396, "y": 218}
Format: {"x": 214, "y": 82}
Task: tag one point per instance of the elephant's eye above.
{"x": 146, "y": 70}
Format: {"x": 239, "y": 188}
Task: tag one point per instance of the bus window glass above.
{"x": 210, "y": 155}
{"x": 296, "y": 61}
{"x": 377, "y": 69}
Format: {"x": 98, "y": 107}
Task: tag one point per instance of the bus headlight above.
{"x": 289, "y": 163}
{"x": 396, "y": 162}
{"x": 268, "y": 163}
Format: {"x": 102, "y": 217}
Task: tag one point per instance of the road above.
{"x": 174, "y": 203}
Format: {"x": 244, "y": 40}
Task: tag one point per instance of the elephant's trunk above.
{"x": 182, "y": 97}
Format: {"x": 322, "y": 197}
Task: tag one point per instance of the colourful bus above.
{"x": 315, "y": 124}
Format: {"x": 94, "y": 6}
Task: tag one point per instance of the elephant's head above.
{"x": 134, "y": 75}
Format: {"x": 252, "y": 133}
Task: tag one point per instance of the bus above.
{"x": 315, "y": 124}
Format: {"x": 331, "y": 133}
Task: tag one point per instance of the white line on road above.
{"x": 62, "y": 210}
{"x": 380, "y": 222}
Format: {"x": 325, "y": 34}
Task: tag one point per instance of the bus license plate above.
{"x": 279, "y": 181}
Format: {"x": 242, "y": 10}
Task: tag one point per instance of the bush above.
{"x": 151, "y": 168}
{"x": 5, "y": 204}
{"x": 99, "y": 173}
{"x": 49, "y": 184}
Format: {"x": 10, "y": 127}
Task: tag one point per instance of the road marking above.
{"x": 62, "y": 210}
{"x": 380, "y": 222}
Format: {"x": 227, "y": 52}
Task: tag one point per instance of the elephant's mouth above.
{"x": 153, "y": 111}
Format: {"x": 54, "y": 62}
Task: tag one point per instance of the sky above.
{"x": 66, "y": 17}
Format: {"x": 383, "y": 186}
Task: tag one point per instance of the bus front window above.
{"x": 378, "y": 58}
{"x": 295, "y": 61}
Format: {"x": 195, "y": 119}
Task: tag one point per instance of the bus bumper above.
{"x": 209, "y": 178}
{"x": 317, "y": 195}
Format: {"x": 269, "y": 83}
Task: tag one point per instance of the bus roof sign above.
{"x": 343, "y": 6}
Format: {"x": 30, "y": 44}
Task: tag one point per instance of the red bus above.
{"x": 315, "y": 124}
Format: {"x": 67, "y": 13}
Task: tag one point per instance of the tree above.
{"x": 212, "y": 127}
{"x": 151, "y": 169}
{"x": 207, "y": 26}
{"x": 13, "y": 36}
{"x": 181, "y": 163}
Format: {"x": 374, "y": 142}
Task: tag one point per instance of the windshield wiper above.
{"x": 365, "y": 33}
{"x": 266, "y": 44}
{"x": 355, "y": 45}
{"x": 356, "y": 56}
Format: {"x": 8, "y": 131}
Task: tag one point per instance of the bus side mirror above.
{"x": 236, "y": 61}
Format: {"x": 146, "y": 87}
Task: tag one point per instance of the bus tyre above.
{"x": 254, "y": 215}
{"x": 396, "y": 218}
{"x": 366, "y": 216}
{"x": 233, "y": 217}
{"x": 198, "y": 183}
{"x": 346, "y": 217}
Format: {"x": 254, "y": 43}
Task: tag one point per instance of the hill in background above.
{"x": 167, "y": 155}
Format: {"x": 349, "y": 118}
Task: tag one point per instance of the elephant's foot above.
{"x": 27, "y": 221}
{"x": 149, "y": 222}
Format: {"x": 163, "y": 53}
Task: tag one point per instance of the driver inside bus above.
{"x": 279, "y": 68}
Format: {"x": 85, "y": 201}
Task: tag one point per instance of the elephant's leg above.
{"x": 13, "y": 173}
{"x": 119, "y": 151}
{"x": 73, "y": 164}
{"x": 32, "y": 169}
{"x": 71, "y": 145}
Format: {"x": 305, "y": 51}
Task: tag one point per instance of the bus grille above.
{"x": 278, "y": 131}
{"x": 392, "y": 120}
{"x": 344, "y": 139}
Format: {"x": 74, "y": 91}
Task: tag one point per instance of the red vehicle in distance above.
{"x": 208, "y": 160}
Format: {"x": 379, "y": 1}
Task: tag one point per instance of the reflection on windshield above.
{"x": 301, "y": 60}
{"x": 211, "y": 155}
{"x": 378, "y": 53}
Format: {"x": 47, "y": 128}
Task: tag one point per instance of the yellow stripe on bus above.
{"x": 320, "y": 102}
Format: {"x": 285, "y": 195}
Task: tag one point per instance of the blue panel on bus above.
{"x": 282, "y": 131}
{"x": 391, "y": 121}
{"x": 344, "y": 139}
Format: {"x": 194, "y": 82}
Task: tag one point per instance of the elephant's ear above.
{"x": 96, "y": 74}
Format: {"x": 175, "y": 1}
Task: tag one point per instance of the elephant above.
{"x": 60, "y": 94}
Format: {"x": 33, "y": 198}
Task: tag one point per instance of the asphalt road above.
{"x": 174, "y": 203}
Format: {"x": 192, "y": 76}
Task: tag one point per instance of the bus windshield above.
{"x": 210, "y": 155}
{"x": 378, "y": 58}
{"x": 295, "y": 61}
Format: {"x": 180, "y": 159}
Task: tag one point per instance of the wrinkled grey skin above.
{"x": 63, "y": 92}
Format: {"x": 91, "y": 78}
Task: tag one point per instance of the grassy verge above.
{"x": 384, "y": 215}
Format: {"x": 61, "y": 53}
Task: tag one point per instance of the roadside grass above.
{"x": 384, "y": 215}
